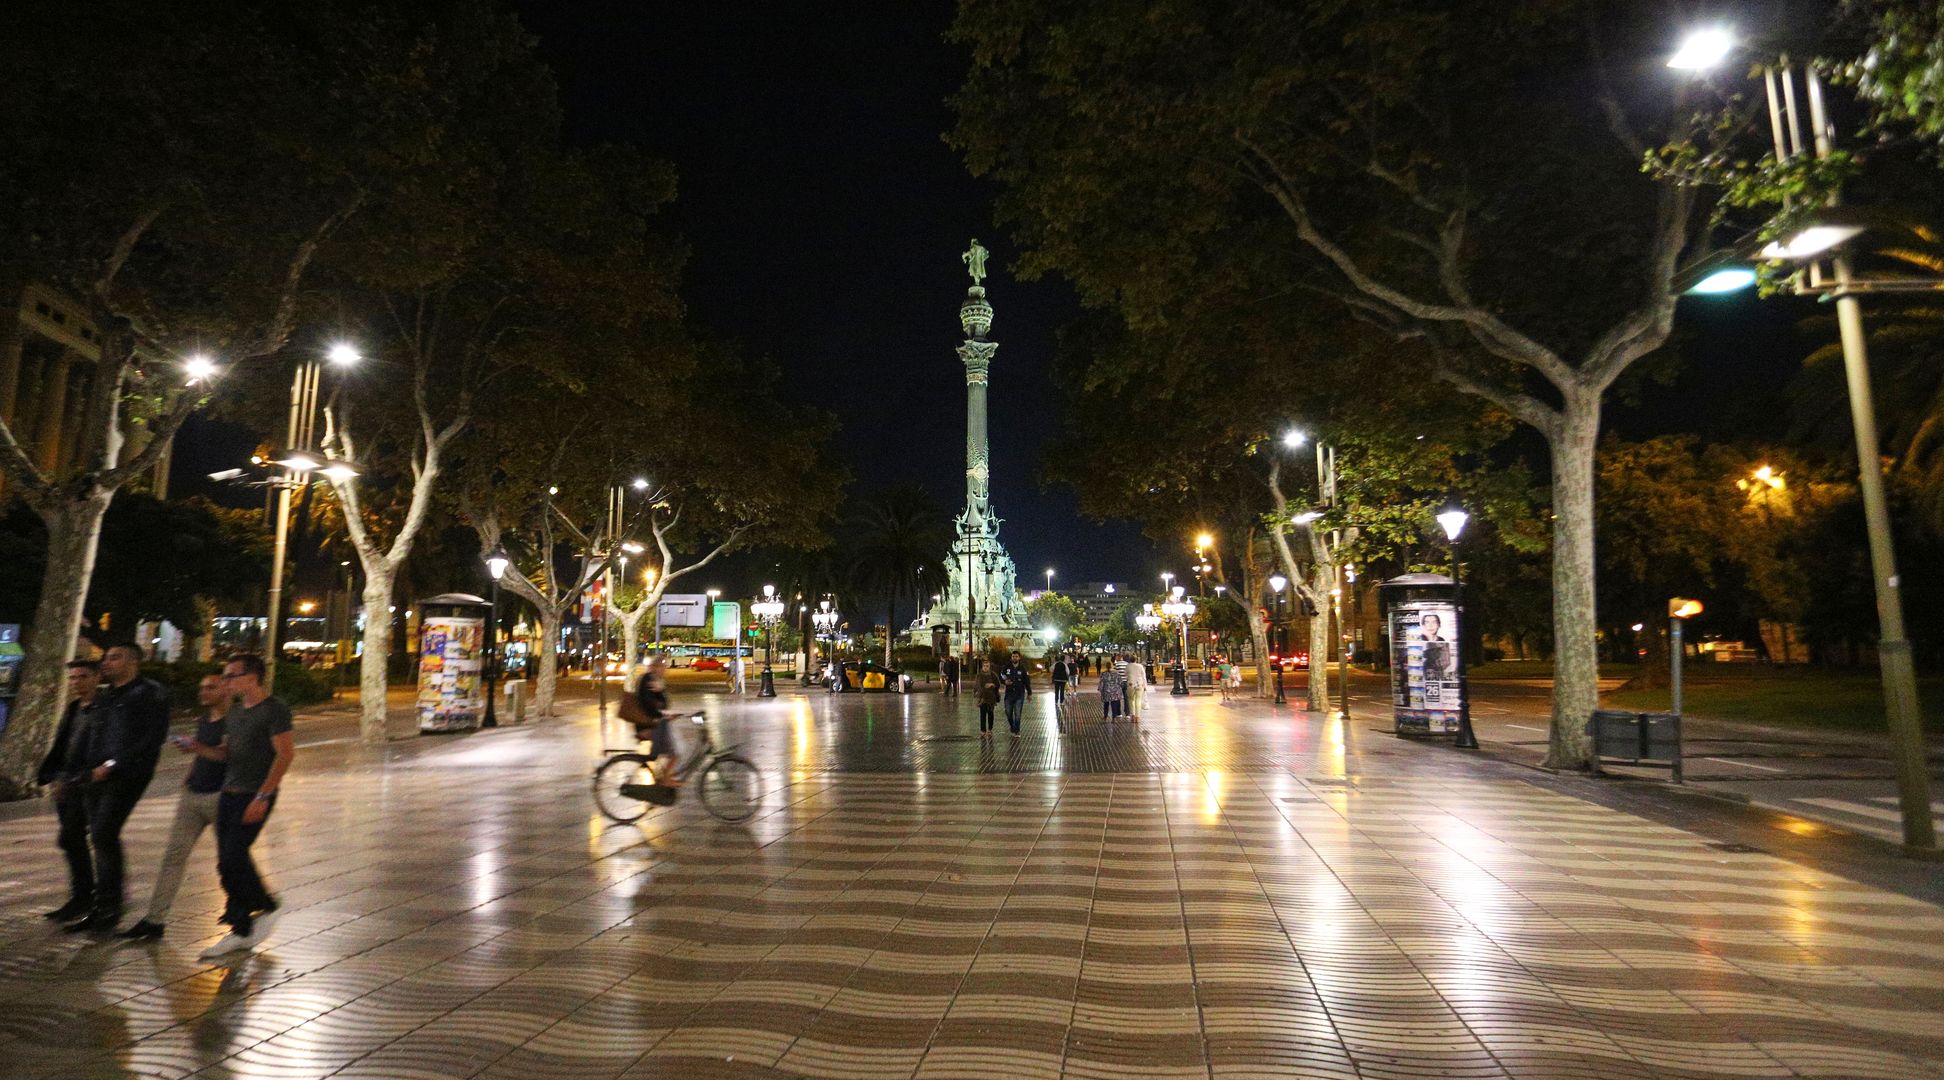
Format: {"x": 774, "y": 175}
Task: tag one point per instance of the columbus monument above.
{"x": 981, "y": 599}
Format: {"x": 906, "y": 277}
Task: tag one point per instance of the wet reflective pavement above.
{"x": 1220, "y": 892}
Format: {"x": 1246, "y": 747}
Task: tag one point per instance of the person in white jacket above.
{"x": 1137, "y": 685}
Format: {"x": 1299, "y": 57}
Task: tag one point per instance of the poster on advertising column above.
{"x": 450, "y": 694}
{"x": 1424, "y": 666}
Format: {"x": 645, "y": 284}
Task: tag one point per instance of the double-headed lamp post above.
{"x": 1453, "y": 521}
{"x": 496, "y": 564}
{"x": 769, "y": 609}
{"x": 1707, "y": 49}
{"x": 1180, "y": 609}
{"x": 1277, "y": 583}
{"x": 299, "y": 460}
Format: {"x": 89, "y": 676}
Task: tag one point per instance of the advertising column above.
{"x": 1425, "y": 687}
{"x": 451, "y": 695}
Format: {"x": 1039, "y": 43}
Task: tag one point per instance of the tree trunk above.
{"x": 549, "y": 659}
{"x": 374, "y": 667}
{"x": 73, "y": 533}
{"x": 1576, "y": 667}
{"x": 630, "y": 642}
{"x": 1259, "y": 639}
{"x": 1322, "y": 580}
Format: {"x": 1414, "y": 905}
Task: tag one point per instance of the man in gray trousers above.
{"x": 195, "y": 810}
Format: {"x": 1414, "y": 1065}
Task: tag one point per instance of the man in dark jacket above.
{"x": 130, "y": 723}
{"x": 1019, "y": 683}
{"x": 62, "y": 773}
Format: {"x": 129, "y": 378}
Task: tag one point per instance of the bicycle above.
{"x": 627, "y": 783}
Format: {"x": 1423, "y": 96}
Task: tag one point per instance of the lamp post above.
{"x": 297, "y": 460}
{"x": 1453, "y": 520}
{"x": 1148, "y": 622}
{"x": 496, "y": 563}
{"x": 1277, "y": 583}
{"x": 769, "y": 609}
{"x": 1180, "y": 609}
{"x": 824, "y": 619}
{"x": 1706, "y": 49}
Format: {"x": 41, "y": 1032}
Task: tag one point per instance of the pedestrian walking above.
{"x": 951, "y": 674}
{"x": 1137, "y": 687}
{"x": 64, "y": 772}
{"x": 127, "y": 724}
{"x": 195, "y": 806}
{"x": 1060, "y": 675}
{"x": 1019, "y": 683}
{"x": 1221, "y": 677}
{"x": 257, "y": 750}
{"x": 1111, "y": 688}
{"x": 988, "y": 687}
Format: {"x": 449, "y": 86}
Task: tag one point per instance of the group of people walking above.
{"x": 1122, "y": 682}
{"x": 105, "y": 754}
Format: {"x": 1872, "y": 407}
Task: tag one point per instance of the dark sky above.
{"x": 826, "y": 217}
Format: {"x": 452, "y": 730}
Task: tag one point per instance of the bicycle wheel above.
{"x": 732, "y": 788}
{"x": 629, "y": 770}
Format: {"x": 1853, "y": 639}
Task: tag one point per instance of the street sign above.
{"x": 683, "y": 609}
{"x": 726, "y": 620}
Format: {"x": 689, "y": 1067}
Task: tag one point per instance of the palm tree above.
{"x": 899, "y": 542}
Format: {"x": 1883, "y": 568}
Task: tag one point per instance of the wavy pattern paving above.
{"x": 1405, "y": 920}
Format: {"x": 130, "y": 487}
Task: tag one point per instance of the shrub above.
{"x": 296, "y": 684}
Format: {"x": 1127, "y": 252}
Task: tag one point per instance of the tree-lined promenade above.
{"x": 482, "y": 321}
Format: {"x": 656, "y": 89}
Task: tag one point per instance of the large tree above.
{"x": 1466, "y": 176}
{"x": 172, "y": 172}
{"x": 500, "y": 263}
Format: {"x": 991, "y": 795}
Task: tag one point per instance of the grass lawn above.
{"x": 1536, "y": 669}
{"x": 1850, "y": 700}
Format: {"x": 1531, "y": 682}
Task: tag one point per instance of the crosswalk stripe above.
{"x": 1877, "y": 813}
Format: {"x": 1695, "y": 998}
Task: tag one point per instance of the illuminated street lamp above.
{"x": 496, "y": 564}
{"x": 199, "y": 369}
{"x": 1180, "y": 609}
{"x": 1708, "y": 48}
{"x": 1453, "y": 522}
{"x": 298, "y": 461}
{"x": 1148, "y": 622}
{"x": 768, "y": 610}
{"x": 1277, "y": 583}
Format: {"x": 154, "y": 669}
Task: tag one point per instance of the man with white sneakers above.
{"x": 257, "y": 750}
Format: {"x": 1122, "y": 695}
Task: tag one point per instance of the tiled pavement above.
{"x": 1223, "y": 893}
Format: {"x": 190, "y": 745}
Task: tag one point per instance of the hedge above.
{"x": 296, "y": 684}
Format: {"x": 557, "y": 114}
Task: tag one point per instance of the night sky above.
{"x": 826, "y": 216}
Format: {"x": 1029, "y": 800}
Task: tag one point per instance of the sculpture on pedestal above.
{"x": 981, "y": 598}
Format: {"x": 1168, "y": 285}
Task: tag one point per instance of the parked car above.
{"x": 708, "y": 663}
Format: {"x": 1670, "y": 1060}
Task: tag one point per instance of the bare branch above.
{"x": 111, "y": 266}
{"x": 1527, "y": 408}
{"x": 1500, "y": 338}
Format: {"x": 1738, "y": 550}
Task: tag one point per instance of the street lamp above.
{"x": 769, "y": 609}
{"x": 298, "y": 460}
{"x": 1708, "y": 48}
{"x": 1148, "y": 622}
{"x": 199, "y": 369}
{"x": 496, "y": 563}
{"x": 1049, "y": 579}
{"x": 1277, "y": 583}
{"x": 1453, "y": 521}
{"x": 1180, "y": 609}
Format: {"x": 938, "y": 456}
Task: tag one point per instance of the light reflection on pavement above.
{"x": 1218, "y": 891}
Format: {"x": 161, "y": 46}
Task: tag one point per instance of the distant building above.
{"x": 1097, "y": 599}
{"x": 48, "y": 353}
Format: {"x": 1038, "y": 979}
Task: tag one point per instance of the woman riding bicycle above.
{"x": 651, "y": 695}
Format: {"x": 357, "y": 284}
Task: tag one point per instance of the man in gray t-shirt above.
{"x": 258, "y": 748}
